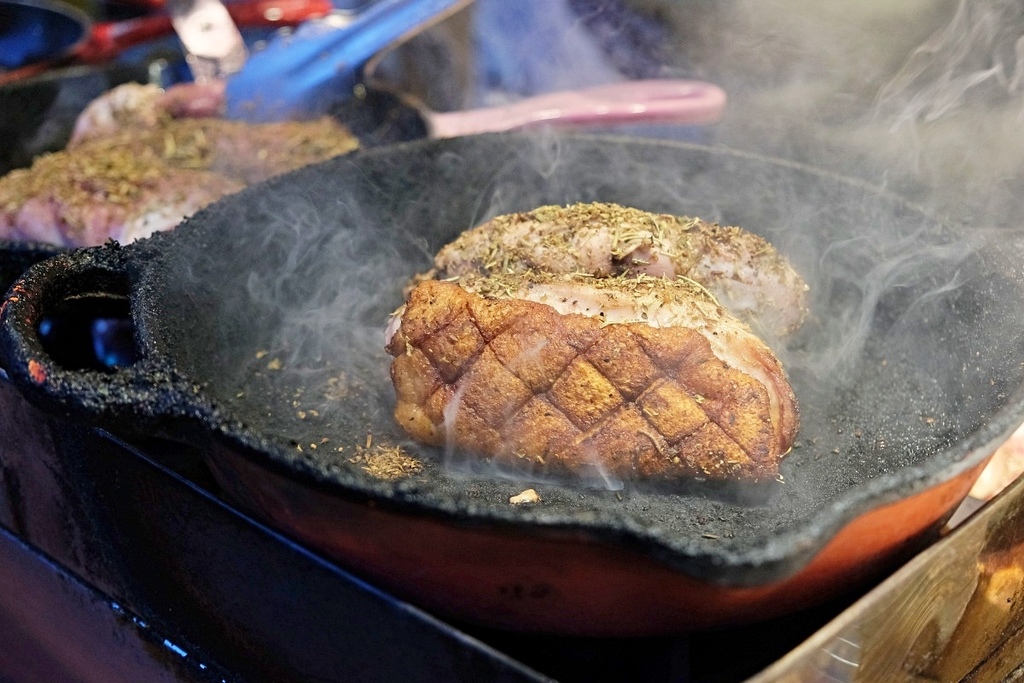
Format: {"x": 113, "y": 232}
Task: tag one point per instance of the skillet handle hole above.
{"x": 90, "y": 331}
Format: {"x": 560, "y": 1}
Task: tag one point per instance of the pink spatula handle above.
{"x": 648, "y": 101}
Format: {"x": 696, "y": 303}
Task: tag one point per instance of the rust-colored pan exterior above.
{"x": 563, "y": 582}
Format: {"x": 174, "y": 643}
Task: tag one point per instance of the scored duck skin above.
{"x": 640, "y": 378}
{"x": 744, "y": 271}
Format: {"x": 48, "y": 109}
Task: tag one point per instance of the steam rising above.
{"x": 874, "y": 269}
{"x": 922, "y": 97}
{"x": 982, "y": 48}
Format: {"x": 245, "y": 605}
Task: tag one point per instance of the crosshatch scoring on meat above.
{"x": 575, "y": 372}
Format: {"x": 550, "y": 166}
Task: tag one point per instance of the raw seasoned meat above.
{"x": 69, "y": 202}
{"x": 632, "y": 376}
{"x": 133, "y": 106}
{"x": 132, "y": 169}
{"x": 741, "y": 269}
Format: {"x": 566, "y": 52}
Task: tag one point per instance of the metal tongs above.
{"x": 303, "y": 74}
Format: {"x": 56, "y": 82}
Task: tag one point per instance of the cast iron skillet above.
{"x": 260, "y": 324}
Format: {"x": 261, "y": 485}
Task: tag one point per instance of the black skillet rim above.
{"x": 720, "y": 562}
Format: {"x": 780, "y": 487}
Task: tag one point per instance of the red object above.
{"x": 103, "y": 41}
{"x": 107, "y": 39}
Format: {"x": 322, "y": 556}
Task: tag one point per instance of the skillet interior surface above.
{"x": 275, "y": 301}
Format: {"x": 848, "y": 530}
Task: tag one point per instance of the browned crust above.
{"x": 521, "y": 383}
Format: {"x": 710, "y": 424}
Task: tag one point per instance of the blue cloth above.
{"x": 302, "y": 75}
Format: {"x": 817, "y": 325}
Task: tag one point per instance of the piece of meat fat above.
{"x": 740, "y": 268}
